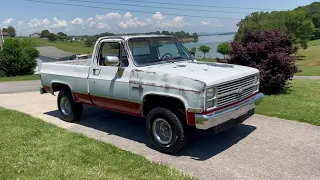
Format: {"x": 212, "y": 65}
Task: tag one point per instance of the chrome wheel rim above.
{"x": 162, "y": 131}
{"x": 65, "y": 106}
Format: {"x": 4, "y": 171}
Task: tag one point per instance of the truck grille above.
{"x": 235, "y": 91}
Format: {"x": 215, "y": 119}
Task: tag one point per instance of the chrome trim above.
{"x": 206, "y": 121}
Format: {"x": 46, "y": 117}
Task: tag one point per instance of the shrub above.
{"x": 18, "y": 57}
{"x": 192, "y": 51}
{"x": 89, "y": 42}
{"x": 52, "y": 37}
{"x": 270, "y": 52}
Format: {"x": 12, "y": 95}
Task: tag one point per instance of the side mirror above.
{"x": 111, "y": 59}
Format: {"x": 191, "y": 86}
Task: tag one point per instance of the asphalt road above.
{"x": 19, "y": 86}
{"x": 261, "y": 148}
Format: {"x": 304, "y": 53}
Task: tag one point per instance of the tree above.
{"x": 205, "y": 49}
{"x": 89, "y": 42}
{"x": 270, "y": 52}
{"x": 192, "y": 51}
{"x": 44, "y": 33}
{"x": 62, "y": 34}
{"x": 224, "y": 49}
{"x": 11, "y": 31}
{"x": 18, "y": 57}
{"x": 52, "y": 37}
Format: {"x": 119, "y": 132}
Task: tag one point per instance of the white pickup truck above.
{"x": 156, "y": 78}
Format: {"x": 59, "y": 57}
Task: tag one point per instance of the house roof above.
{"x": 52, "y": 52}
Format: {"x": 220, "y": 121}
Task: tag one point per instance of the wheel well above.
{"x": 152, "y": 101}
{"x": 59, "y": 86}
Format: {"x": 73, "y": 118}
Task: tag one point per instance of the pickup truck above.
{"x": 154, "y": 77}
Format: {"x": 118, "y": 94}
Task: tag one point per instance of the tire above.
{"x": 74, "y": 110}
{"x": 162, "y": 116}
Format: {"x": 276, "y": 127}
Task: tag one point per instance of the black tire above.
{"x": 76, "y": 109}
{"x": 178, "y": 139}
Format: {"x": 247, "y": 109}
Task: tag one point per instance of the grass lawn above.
{"x": 33, "y": 149}
{"x": 20, "y": 78}
{"x": 73, "y": 47}
{"x": 301, "y": 102}
{"x": 309, "y": 60}
{"x": 206, "y": 59}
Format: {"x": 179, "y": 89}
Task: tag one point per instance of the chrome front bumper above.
{"x": 206, "y": 121}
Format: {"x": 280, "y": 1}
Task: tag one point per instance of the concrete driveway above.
{"x": 261, "y": 148}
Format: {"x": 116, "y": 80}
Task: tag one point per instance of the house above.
{"x": 5, "y": 35}
{"x": 35, "y": 35}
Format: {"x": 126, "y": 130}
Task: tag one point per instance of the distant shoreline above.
{"x": 218, "y": 34}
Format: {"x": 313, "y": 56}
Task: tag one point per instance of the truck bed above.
{"x": 73, "y": 73}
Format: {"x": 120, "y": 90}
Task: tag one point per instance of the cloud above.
{"x": 59, "y": 23}
{"x": 21, "y": 23}
{"x": 7, "y": 21}
{"x": 212, "y": 24}
{"x": 38, "y": 22}
{"x": 132, "y": 23}
{"x": 77, "y": 21}
{"x": 205, "y": 23}
{"x": 128, "y": 15}
{"x": 158, "y": 16}
{"x": 109, "y": 16}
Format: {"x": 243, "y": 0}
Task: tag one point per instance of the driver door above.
{"x": 109, "y": 81}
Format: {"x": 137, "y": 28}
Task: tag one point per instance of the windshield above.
{"x": 149, "y": 51}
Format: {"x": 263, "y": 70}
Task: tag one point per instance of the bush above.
{"x": 18, "y": 57}
{"x": 89, "y": 42}
{"x": 270, "y": 52}
{"x": 52, "y": 37}
{"x": 192, "y": 51}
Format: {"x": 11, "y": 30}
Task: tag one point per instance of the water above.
{"x": 210, "y": 41}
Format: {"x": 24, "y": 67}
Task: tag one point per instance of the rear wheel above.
{"x": 165, "y": 130}
{"x": 69, "y": 109}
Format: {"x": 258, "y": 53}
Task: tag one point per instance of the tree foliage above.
{"x": 270, "y": 52}
{"x": 89, "y": 41}
{"x": 44, "y": 33}
{"x": 11, "y": 31}
{"x": 192, "y": 51}
{"x": 18, "y": 57}
{"x": 224, "y": 49}
{"x": 205, "y": 49}
{"x": 300, "y": 23}
{"x": 61, "y": 34}
{"x": 52, "y": 37}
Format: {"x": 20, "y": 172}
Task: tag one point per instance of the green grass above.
{"x": 207, "y": 59}
{"x": 73, "y": 47}
{"x": 20, "y": 78}
{"x": 309, "y": 60}
{"x": 301, "y": 102}
{"x": 33, "y": 149}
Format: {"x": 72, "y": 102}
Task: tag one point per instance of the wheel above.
{"x": 69, "y": 109}
{"x": 165, "y": 131}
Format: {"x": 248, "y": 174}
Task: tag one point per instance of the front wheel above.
{"x": 69, "y": 109}
{"x": 165, "y": 130}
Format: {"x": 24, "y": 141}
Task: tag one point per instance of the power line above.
{"x": 197, "y": 5}
{"x": 128, "y": 10}
{"x": 200, "y": 10}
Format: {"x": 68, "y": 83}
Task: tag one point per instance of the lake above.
{"x": 210, "y": 41}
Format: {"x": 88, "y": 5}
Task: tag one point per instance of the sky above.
{"x": 29, "y": 17}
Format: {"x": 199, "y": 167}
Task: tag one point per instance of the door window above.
{"x": 112, "y": 49}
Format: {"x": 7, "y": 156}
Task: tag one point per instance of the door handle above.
{"x": 96, "y": 72}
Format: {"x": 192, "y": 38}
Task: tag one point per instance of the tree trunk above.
{"x": 204, "y": 54}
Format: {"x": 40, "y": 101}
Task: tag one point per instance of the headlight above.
{"x": 210, "y": 93}
{"x": 256, "y": 79}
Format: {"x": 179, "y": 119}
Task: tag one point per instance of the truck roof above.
{"x": 126, "y": 37}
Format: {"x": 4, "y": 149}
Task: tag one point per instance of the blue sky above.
{"x": 28, "y": 17}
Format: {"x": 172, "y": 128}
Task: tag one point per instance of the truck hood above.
{"x": 209, "y": 73}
